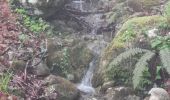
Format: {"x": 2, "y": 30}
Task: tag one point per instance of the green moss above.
{"x": 148, "y": 3}
{"x": 144, "y": 3}
{"x": 130, "y": 31}
{"x": 167, "y": 11}
{"x": 133, "y": 28}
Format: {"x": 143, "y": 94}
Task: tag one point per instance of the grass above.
{"x": 4, "y": 81}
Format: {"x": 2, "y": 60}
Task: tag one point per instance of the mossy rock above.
{"x": 64, "y": 88}
{"x": 140, "y": 5}
{"x": 129, "y": 35}
{"x": 130, "y": 30}
{"x": 18, "y": 65}
{"x": 80, "y": 55}
{"x": 68, "y": 56}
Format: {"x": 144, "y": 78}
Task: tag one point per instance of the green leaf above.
{"x": 140, "y": 68}
{"x": 155, "y": 43}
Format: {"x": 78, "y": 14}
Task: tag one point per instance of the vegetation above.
{"x": 34, "y": 24}
{"x": 161, "y": 47}
{"x": 132, "y": 58}
{"x": 4, "y": 81}
{"x": 167, "y": 11}
{"x": 64, "y": 64}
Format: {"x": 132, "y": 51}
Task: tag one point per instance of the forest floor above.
{"x": 12, "y": 47}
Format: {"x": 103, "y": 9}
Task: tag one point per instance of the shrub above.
{"x": 161, "y": 50}
{"x": 4, "y": 81}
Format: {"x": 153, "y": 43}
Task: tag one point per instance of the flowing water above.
{"x": 78, "y": 4}
{"x": 86, "y": 84}
{"x": 94, "y": 20}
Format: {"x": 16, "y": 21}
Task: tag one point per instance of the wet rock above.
{"x": 70, "y": 77}
{"x": 159, "y": 94}
{"x": 65, "y": 89}
{"x": 68, "y": 56}
{"x": 119, "y": 44}
{"x": 106, "y": 85}
{"x": 41, "y": 69}
{"x": 139, "y": 5}
{"x": 146, "y": 98}
{"x": 66, "y": 26}
{"x": 120, "y": 93}
{"x": 18, "y": 65}
{"x": 45, "y": 8}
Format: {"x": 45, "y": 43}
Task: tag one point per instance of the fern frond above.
{"x": 165, "y": 58}
{"x": 125, "y": 55}
{"x": 140, "y": 67}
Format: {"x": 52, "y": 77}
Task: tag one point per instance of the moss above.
{"x": 167, "y": 11}
{"x": 148, "y": 3}
{"x": 130, "y": 32}
{"x": 65, "y": 89}
{"x": 131, "y": 29}
{"x": 145, "y": 3}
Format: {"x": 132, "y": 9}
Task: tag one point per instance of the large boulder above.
{"x": 64, "y": 89}
{"x": 130, "y": 35}
{"x": 120, "y": 93}
{"x": 68, "y": 57}
{"x": 46, "y": 8}
{"x": 140, "y": 5}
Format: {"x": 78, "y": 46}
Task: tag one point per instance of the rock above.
{"x": 18, "y": 65}
{"x": 139, "y": 5}
{"x": 120, "y": 93}
{"x": 68, "y": 56}
{"x": 41, "y": 69}
{"x": 106, "y": 85}
{"x": 65, "y": 26}
{"x": 146, "y": 98}
{"x": 46, "y": 7}
{"x": 70, "y": 77}
{"x": 122, "y": 74}
{"x": 158, "y": 94}
{"x": 64, "y": 88}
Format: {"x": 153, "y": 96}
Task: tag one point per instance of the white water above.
{"x": 86, "y": 84}
{"x": 94, "y": 20}
{"x": 79, "y": 4}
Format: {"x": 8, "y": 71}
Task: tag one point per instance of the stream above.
{"x": 94, "y": 20}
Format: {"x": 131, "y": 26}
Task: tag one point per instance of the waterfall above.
{"x": 79, "y": 4}
{"x": 94, "y": 20}
{"x": 86, "y": 83}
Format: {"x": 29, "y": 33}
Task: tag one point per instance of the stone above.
{"x": 40, "y": 68}
{"x": 18, "y": 65}
{"x": 158, "y": 94}
{"x": 64, "y": 88}
{"x": 106, "y": 85}
{"x": 139, "y": 5}
{"x": 71, "y": 53}
{"x": 120, "y": 43}
{"x": 120, "y": 93}
{"x": 70, "y": 77}
{"x": 46, "y": 7}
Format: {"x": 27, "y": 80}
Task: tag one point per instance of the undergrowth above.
{"x": 4, "y": 81}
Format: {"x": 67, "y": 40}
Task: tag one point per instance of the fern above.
{"x": 125, "y": 55}
{"x": 140, "y": 67}
{"x": 165, "y": 58}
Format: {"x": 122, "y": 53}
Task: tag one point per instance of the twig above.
{"x": 43, "y": 56}
{"x": 6, "y": 50}
{"x": 25, "y": 71}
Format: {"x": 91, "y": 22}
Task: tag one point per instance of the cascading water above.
{"x": 78, "y": 4}
{"x": 94, "y": 20}
{"x": 86, "y": 85}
